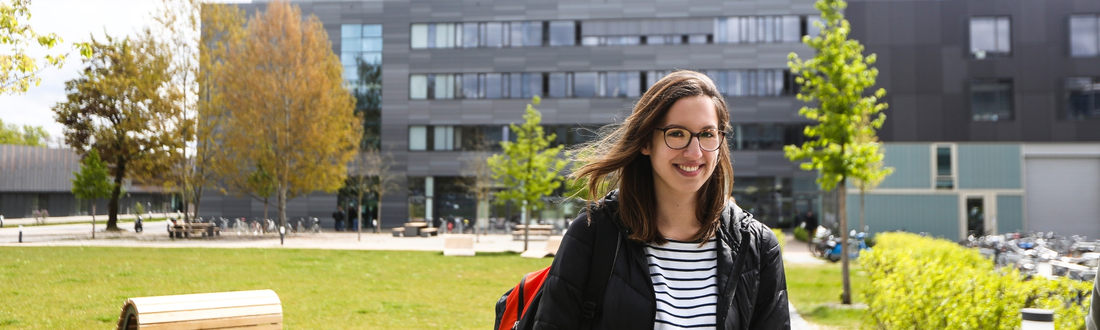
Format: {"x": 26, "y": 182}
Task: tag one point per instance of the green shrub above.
{"x": 925, "y": 283}
{"x": 138, "y": 208}
{"x": 801, "y": 234}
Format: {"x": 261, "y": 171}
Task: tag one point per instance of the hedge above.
{"x": 924, "y": 283}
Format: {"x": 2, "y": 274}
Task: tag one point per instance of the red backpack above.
{"x": 512, "y": 308}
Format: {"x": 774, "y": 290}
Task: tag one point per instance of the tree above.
{"x": 371, "y": 175}
{"x": 17, "y": 69}
{"x": 529, "y": 165}
{"x": 835, "y": 78}
{"x": 31, "y": 136}
{"x": 289, "y": 113}
{"x": 120, "y": 106}
{"x": 179, "y": 26}
{"x": 92, "y": 182}
{"x": 872, "y": 175}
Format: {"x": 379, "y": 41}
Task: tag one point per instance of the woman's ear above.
{"x": 645, "y": 149}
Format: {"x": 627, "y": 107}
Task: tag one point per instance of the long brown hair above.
{"x": 615, "y": 160}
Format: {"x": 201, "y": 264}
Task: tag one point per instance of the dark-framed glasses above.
{"x": 677, "y": 138}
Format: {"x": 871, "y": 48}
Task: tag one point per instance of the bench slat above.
{"x": 209, "y": 304}
{"x": 272, "y": 321}
{"x": 205, "y": 297}
{"x": 178, "y": 316}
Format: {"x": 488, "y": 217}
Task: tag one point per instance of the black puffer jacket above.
{"x": 751, "y": 284}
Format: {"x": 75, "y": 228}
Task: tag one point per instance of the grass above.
{"x": 85, "y": 287}
{"x": 815, "y": 292}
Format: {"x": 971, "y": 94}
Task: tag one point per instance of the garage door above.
{"x": 1063, "y": 195}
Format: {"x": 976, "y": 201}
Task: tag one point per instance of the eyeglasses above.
{"x": 679, "y": 138}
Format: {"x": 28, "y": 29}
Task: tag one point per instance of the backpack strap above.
{"x": 604, "y": 257}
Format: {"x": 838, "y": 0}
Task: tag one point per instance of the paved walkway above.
{"x": 155, "y": 235}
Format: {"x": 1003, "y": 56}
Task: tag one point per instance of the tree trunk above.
{"x": 359, "y": 221}
{"x": 197, "y": 196}
{"x": 378, "y": 217}
{"x": 93, "y": 218}
{"x": 526, "y": 225}
{"x": 263, "y": 222}
{"x": 282, "y": 205}
{"x": 862, "y": 224}
{"x": 112, "y": 206}
{"x": 842, "y": 213}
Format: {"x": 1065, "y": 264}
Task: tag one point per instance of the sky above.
{"x": 73, "y": 21}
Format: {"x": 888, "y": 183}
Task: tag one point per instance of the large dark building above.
{"x": 993, "y": 122}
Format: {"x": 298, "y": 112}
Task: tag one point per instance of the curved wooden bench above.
{"x": 260, "y": 309}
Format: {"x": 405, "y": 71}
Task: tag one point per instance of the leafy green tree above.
{"x": 31, "y": 136}
{"x": 17, "y": 69}
{"x": 121, "y": 107}
{"x": 872, "y": 175}
{"x": 834, "y": 80}
{"x": 92, "y": 182}
{"x": 529, "y": 165}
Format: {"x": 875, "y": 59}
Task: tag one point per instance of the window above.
{"x": 758, "y": 29}
{"x": 1083, "y": 98}
{"x": 621, "y": 84}
{"x": 359, "y": 42}
{"x": 563, "y": 33}
{"x": 585, "y": 84}
{"x": 559, "y": 85}
{"x": 444, "y": 86}
{"x": 990, "y": 36}
{"x": 1084, "y": 38}
{"x": 418, "y": 138}
{"x": 469, "y": 35}
{"x": 418, "y": 87}
{"x": 991, "y": 99}
{"x": 945, "y": 177}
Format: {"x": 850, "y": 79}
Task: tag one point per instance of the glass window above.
{"x": 444, "y": 86}
{"x": 697, "y": 39}
{"x": 351, "y": 44}
{"x": 557, "y": 85}
{"x": 351, "y": 31}
{"x": 470, "y": 35}
{"x": 532, "y": 85}
{"x": 494, "y": 34}
{"x": 418, "y": 137}
{"x": 1082, "y": 98}
{"x": 991, "y": 99}
{"x": 1084, "y": 38}
{"x": 371, "y": 44}
{"x": 792, "y": 29}
{"x": 814, "y": 25}
{"x": 563, "y": 33}
{"x": 469, "y": 86}
{"x": 584, "y": 84}
{"x": 515, "y": 84}
{"x": 444, "y": 138}
{"x": 532, "y": 34}
{"x": 493, "y": 84}
{"x": 944, "y": 177}
{"x": 418, "y": 87}
{"x": 444, "y": 35}
{"x": 372, "y": 30}
{"x": 419, "y": 35}
{"x": 989, "y": 36}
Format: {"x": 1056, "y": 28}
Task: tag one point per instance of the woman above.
{"x": 688, "y": 257}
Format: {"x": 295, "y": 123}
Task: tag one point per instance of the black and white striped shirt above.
{"x": 685, "y": 281}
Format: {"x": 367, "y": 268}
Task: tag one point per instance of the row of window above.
{"x": 592, "y": 84}
{"x": 991, "y": 36}
{"x": 992, "y": 99}
{"x": 767, "y": 136}
{"x": 739, "y": 29}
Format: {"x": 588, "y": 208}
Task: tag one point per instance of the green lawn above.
{"x": 84, "y": 288}
{"x": 815, "y": 291}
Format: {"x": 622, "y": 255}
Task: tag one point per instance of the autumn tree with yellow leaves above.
{"x": 287, "y": 111}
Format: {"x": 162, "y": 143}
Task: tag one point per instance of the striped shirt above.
{"x": 685, "y": 281}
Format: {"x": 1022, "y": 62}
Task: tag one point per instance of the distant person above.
{"x": 339, "y": 217}
{"x": 1093, "y": 318}
{"x": 811, "y": 225}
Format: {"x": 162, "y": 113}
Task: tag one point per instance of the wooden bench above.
{"x": 260, "y": 309}
{"x": 552, "y": 244}
{"x": 428, "y": 232}
{"x": 197, "y": 229}
{"x": 536, "y": 231}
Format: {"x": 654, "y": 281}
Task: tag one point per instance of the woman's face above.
{"x": 683, "y": 171}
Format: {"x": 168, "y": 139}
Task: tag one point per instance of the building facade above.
{"x": 992, "y": 121}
